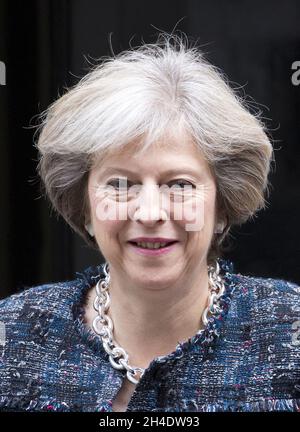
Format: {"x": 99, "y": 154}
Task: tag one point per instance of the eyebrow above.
{"x": 186, "y": 170}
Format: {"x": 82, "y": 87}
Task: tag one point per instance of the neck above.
{"x": 150, "y": 323}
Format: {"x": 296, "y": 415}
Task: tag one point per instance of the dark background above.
{"x": 44, "y": 44}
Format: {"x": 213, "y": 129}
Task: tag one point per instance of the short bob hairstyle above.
{"x": 141, "y": 95}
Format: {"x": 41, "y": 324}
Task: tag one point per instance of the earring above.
{"x": 89, "y": 229}
{"x": 220, "y": 228}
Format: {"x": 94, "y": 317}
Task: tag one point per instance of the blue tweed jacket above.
{"x": 246, "y": 359}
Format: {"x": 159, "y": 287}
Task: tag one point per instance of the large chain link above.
{"x": 117, "y": 355}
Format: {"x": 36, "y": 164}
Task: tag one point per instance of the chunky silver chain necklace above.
{"x": 102, "y": 303}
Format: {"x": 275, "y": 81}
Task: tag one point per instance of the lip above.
{"x": 153, "y": 239}
{"x": 153, "y": 252}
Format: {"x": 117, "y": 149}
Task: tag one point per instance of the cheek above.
{"x": 190, "y": 215}
{"x": 108, "y": 217}
{"x": 194, "y": 216}
{"x": 103, "y": 208}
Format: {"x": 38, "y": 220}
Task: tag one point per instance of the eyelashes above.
{"x": 124, "y": 182}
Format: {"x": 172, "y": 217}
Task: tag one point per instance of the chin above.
{"x": 162, "y": 278}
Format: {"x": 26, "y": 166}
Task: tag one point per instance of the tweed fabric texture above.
{"x": 246, "y": 359}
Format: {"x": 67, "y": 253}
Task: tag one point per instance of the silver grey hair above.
{"x": 141, "y": 94}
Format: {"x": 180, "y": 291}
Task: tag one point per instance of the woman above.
{"x": 152, "y": 158}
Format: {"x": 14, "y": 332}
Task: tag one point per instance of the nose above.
{"x": 150, "y": 206}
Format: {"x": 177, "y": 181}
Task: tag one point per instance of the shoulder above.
{"x": 42, "y": 305}
{"x": 47, "y": 297}
{"x": 263, "y": 304}
{"x": 31, "y": 318}
{"x": 53, "y": 296}
{"x": 267, "y": 293}
{"x": 269, "y": 309}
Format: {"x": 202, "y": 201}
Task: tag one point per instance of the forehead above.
{"x": 170, "y": 153}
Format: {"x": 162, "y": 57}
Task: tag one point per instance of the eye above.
{"x": 182, "y": 183}
{"x": 118, "y": 183}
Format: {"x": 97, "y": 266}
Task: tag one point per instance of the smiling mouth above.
{"x": 153, "y": 246}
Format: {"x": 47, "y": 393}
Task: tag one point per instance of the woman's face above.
{"x": 169, "y": 192}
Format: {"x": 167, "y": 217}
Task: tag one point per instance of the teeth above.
{"x": 148, "y": 245}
